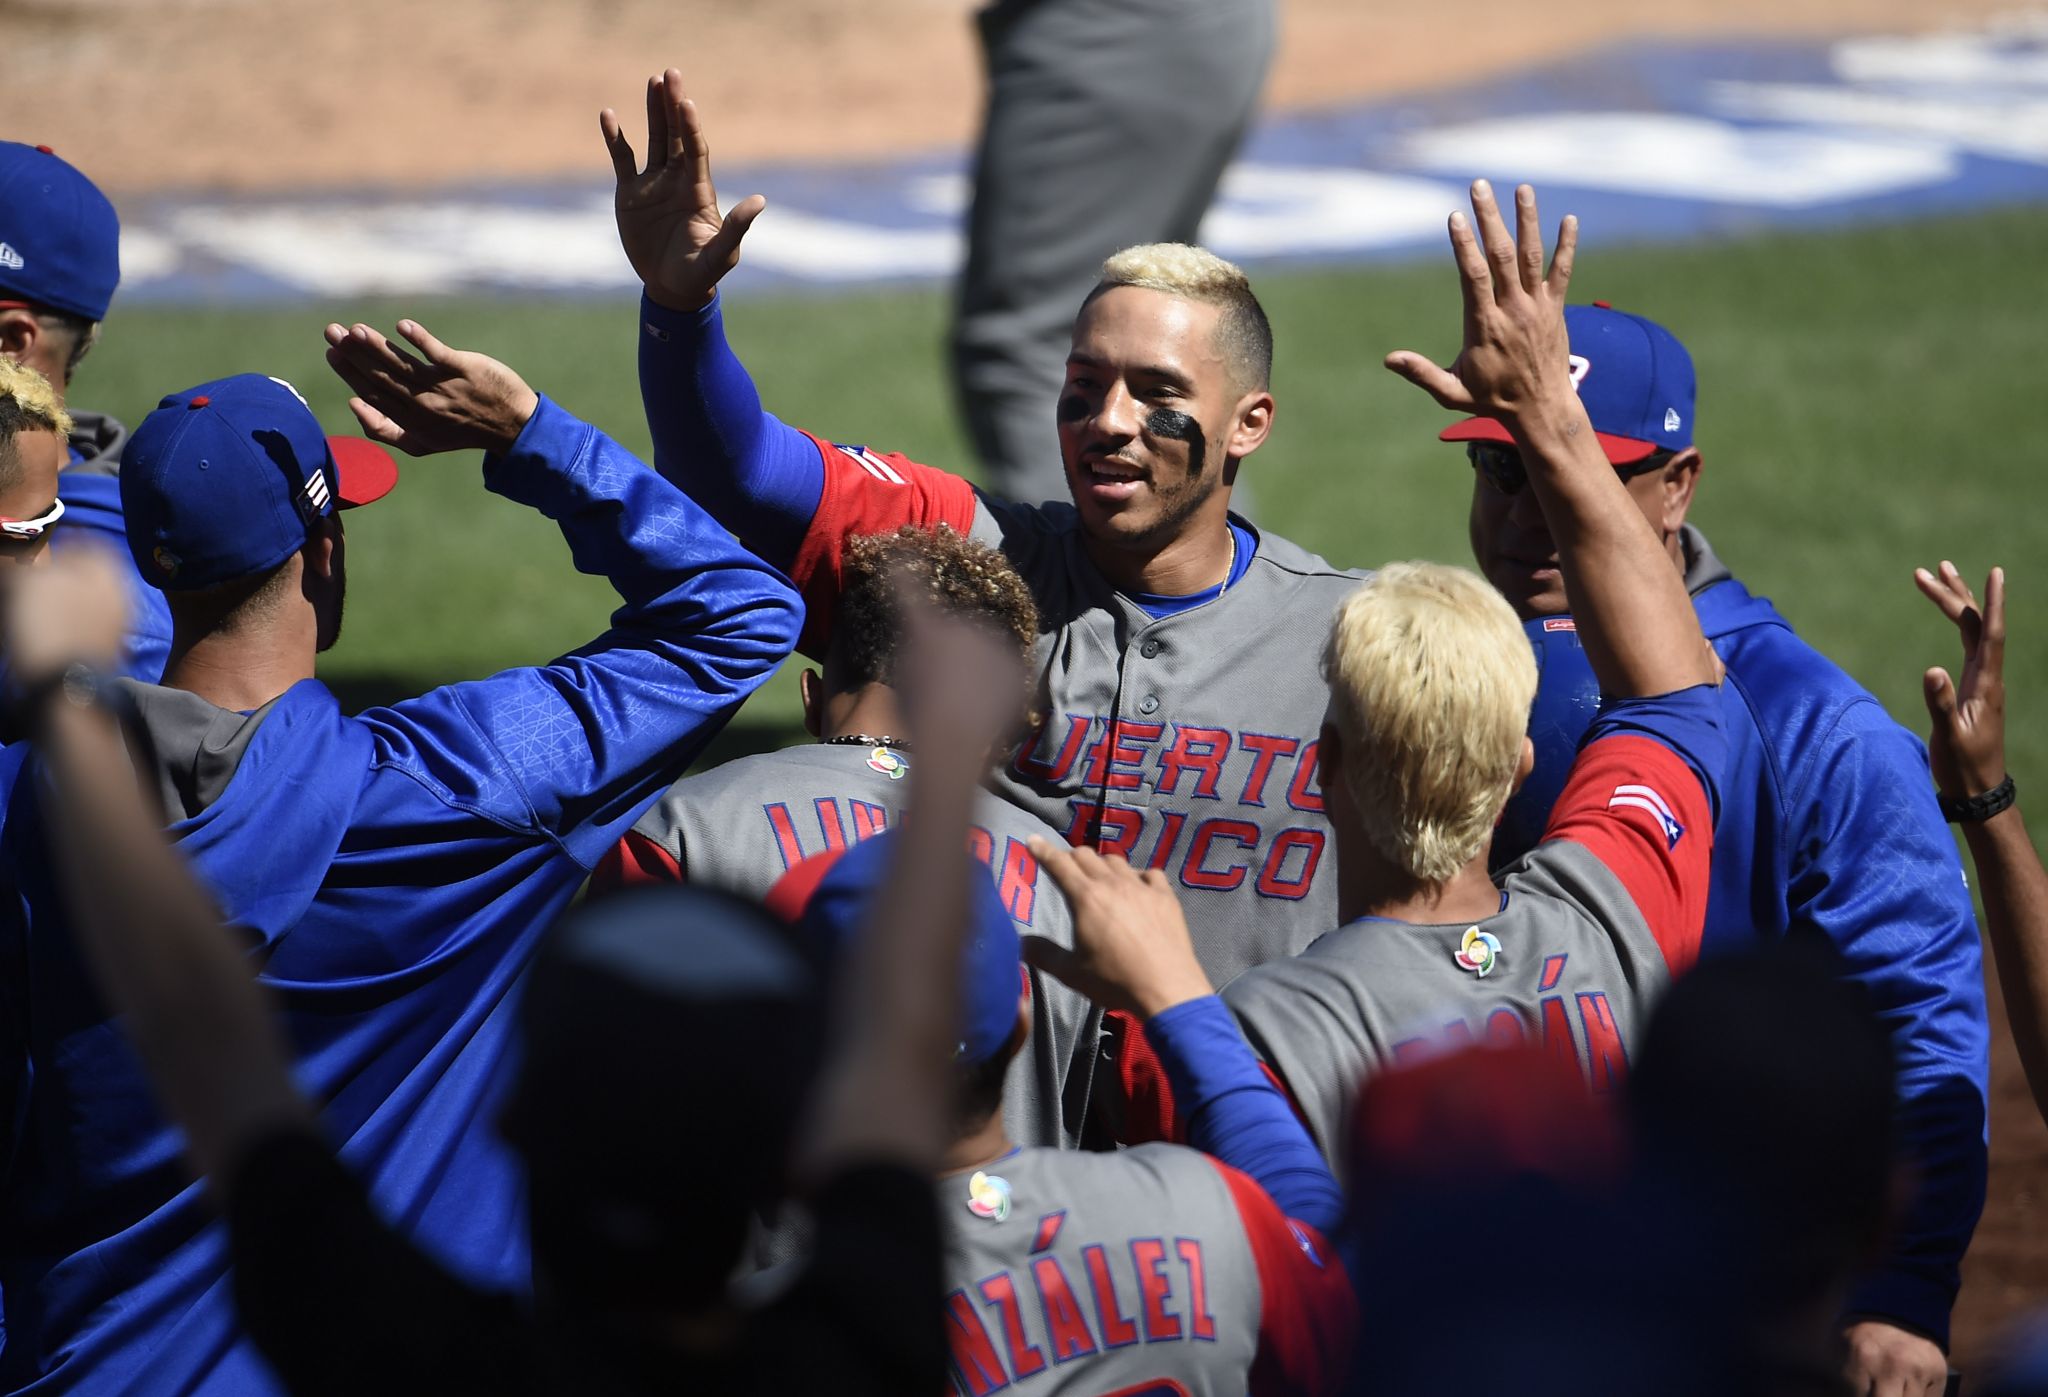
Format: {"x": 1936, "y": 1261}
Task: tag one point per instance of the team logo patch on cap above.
{"x": 988, "y": 1196}
{"x": 889, "y": 762}
{"x": 10, "y": 259}
{"x": 1672, "y": 421}
{"x": 1478, "y": 952}
{"x": 165, "y": 560}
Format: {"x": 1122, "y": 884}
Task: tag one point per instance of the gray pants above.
{"x": 1109, "y": 124}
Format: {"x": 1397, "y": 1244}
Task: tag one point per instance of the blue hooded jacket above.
{"x": 391, "y": 873}
{"x": 1839, "y": 835}
{"x": 1829, "y": 827}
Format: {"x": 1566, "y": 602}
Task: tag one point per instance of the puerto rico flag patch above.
{"x": 871, "y": 463}
{"x": 1646, "y": 798}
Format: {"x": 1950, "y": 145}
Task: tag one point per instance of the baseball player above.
{"x": 741, "y": 826}
{"x": 1176, "y": 655}
{"x": 60, "y": 262}
{"x": 1430, "y": 680}
{"x": 389, "y": 873}
{"x": 1829, "y": 825}
{"x": 1159, "y": 1269}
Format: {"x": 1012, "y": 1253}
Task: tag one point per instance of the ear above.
{"x": 1524, "y": 764}
{"x": 1250, "y": 425}
{"x": 19, "y": 331}
{"x": 811, "y": 689}
{"x": 320, "y": 550}
{"x": 1681, "y": 478}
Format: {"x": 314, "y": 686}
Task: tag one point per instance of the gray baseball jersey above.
{"x": 1185, "y": 742}
{"x": 1592, "y": 923}
{"x": 1148, "y": 1272}
{"x": 742, "y": 825}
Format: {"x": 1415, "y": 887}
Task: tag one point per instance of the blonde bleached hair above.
{"x": 1197, "y": 274}
{"x": 1430, "y": 681}
{"x": 28, "y": 402}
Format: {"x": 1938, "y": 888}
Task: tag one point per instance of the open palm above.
{"x": 669, "y": 224}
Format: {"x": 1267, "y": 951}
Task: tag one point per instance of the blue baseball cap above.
{"x": 224, "y": 481}
{"x": 828, "y": 897}
{"x": 1632, "y": 374}
{"x": 60, "y": 241}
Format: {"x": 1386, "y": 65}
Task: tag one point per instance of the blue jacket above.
{"x": 391, "y": 872}
{"x": 91, "y": 490}
{"x": 1829, "y": 824}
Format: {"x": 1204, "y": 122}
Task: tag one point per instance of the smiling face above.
{"x": 1150, "y": 422}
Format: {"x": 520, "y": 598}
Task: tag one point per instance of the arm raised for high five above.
{"x": 790, "y": 496}
{"x": 1966, "y": 749}
{"x": 1635, "y": 619}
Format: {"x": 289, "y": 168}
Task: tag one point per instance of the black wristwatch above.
{"x": 1973, "y": 810}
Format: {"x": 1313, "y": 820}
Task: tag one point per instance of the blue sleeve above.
{"x": 1237, "y": 1115}
{"x": 757, "y": 476}
{"x": 1688, "y": 721}
{"x": 575, "y": 750}
{"x": 1875, "y": 869}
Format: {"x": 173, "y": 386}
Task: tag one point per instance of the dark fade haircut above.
{"x": 1243, "y": 333}
{"x": 80, "y": 333}
{"x": 959, "y": 577}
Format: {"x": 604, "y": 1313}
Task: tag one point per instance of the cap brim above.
{"x": 364, "y": 471}
{"x": 1621, "y": 451}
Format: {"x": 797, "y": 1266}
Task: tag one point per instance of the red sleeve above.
{"x": 1149, "y": 1111}
{"x": 1148, "y": 1108}
{"x": 1307, "y": 1314}
{"x": 866, "y": 492}
{"x": 634, "y": 862}
{"x": 1640, "y": 809}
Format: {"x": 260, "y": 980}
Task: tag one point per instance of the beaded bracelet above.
{"x": 1976, "y": 809}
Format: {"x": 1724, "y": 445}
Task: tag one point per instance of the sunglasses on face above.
{"x": 1502, "y": 465}
{"x": 24, "y": 530}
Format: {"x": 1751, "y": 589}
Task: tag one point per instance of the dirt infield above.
{"x": 277, "y": 94}
{"x": 272, "y": 94}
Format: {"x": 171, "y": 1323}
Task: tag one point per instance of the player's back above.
{"x": 740, "y": 826}
{"x": 1568, "y": 961}
{"x": 1081, "y": 1273}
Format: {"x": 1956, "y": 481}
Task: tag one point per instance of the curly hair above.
{"x": 959, "y": 576}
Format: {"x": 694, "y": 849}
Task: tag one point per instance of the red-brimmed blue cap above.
{"x": 60, "y": 240}
{"x": 1634, "y": 377}
{"x": 829, "y": 897}
{"x": 223, "y": 481}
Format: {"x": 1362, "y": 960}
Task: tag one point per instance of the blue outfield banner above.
{"x": 1645, "y": 141}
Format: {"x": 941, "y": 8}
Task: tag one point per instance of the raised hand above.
{"x": 669, "y": 224}
{"x": 1131, "y": 945}
{"x": 1966, "y": 741}
{"x": 1515, "y": 352}
{"x": 452, "y": 400}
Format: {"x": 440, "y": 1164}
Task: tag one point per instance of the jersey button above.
{"x": 1149, "y": 649}
{"x": 1149, "y": 704}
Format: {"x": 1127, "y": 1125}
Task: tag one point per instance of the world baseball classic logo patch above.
{"x": 1646, "y": 798}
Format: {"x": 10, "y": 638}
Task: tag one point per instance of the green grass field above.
{"x": 1870, "y": 400}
